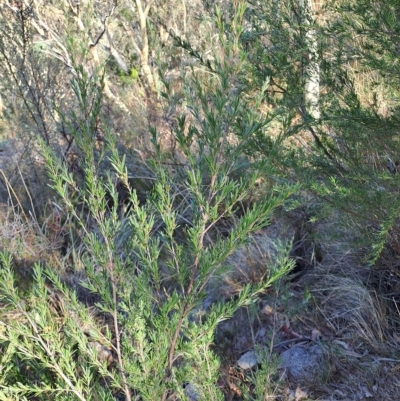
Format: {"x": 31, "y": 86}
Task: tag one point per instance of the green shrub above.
{"x": 148, "y": 270}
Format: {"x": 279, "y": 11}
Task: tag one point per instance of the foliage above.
{"x": 148, "y": 285}
{"x": 349, "y": 156}
{"x": 229, "y": 79}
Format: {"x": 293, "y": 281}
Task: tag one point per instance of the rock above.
{"x": 248, "y": 360}
{"x": 303, "y": 364}
{"x": 192, "y": 392}
{"x": 103, "y": 353}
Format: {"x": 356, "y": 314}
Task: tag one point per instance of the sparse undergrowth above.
{"x": 148, "y": 269}
{"x": 225, "y": 229}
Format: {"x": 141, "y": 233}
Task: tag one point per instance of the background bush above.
{"x": 171, "y": 133}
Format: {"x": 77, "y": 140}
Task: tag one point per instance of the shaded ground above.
{"x": 325, "y": 335}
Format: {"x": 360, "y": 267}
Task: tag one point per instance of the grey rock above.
{"x": 192, "y": 392}
{"x": 303, "y": 364}
{"x": 248, "y": 360}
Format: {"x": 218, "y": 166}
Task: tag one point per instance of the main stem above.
{"x": 184, "y": 311}
{"x": 115, "y": 321}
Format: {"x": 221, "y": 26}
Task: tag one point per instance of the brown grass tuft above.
{"x": 350, "y": 306}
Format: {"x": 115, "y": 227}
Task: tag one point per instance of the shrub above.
{"x": 148, "y": 270}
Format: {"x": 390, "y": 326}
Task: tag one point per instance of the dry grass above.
{"x": 347, "y": 292}
{"x": 252, "y": 263}
{"x": 349, "y": 307}
{"x": 371, "y": 89}
{"x": 26, "y": 239}
{"x": 28, "y": 236}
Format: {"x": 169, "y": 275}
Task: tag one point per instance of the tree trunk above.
{"x": 143, "y": 11}
{"x": 312, "y": 71}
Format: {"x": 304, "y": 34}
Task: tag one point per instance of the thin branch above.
{"x": 50, "y": 354}
{"x": 110, "y": 270}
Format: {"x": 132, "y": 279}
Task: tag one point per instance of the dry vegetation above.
{"x": 337, "y": 311}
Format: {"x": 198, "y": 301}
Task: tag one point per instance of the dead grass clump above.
{"x": 29, "y": 241}
{"x": 252, "y": 263}
{"x": 350, "y": 308}
{"x": 23, "y": 180}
